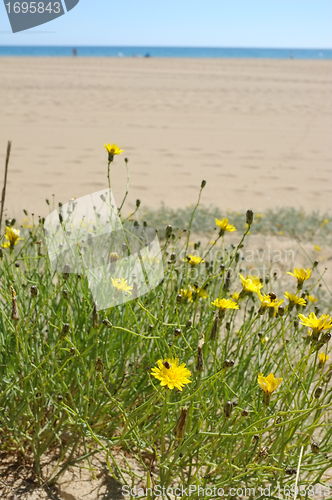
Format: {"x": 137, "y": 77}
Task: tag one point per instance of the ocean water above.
{"x": 189, "y": 52}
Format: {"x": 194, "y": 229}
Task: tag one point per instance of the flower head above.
{"x": 323, "y": 358}
{"x": 171, "y": 374}
{"x": 193, "y": 260}
{"x": 301, "y": 275}
{"x": 12, "y": 236}
{"x": 193, "y": 292}
{"x": 311, "y": 298}
{"x": 112, "y": 149}
{"x": 225, "y": 226}
{"x": 269, "y": 301}
{"x": 294, "y": 300}
{"x": 316, "y": 324}
{"x": 187, "y": 294}
{"x": 224, "y": 304}
{"x": 268, "y": 384}
{"x": 250, "y": 284}
{"x": 121, "y": 285}
{"x": 199, "y": 292}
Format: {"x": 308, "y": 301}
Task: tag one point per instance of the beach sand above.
{"x": 258, "y": 131}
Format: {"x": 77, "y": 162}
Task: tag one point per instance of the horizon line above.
{"x": 172, "y": 46}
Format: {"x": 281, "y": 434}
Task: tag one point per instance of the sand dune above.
{"x": 259, "y": 131}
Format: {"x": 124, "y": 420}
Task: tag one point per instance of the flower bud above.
{"x": 65, "y": 329}
{"x": 168, "y": 231}
{"x": 249, "y": 217}
{"x": 214, "y": 329}
{"x": 228, "y": 408}
{"x": 180, "y": 427}
{"x": 65, "y": 294}
{"x": 318, "y": 392}
{"x": 14, "y": 315}
{"x": 314, "y": 448}
{"x": 99, "y": 365}
{"x": 114, "y": 257}
{"x": 203, "y": 184}
{"x": 107, "y": 323}
{"x": 245, "y": 413}
{"x": 281, "y": 311}
{"x": 65, "y": 272}
{"x": 178, "y": 298}
{"x": 227, "y": 364}
{"x": 200, "y": 360}
{"x": 173, "y": 257}
{"x": 138, "y": 203}
{"x": 34, "y": 291}
{"x": 177, "y": 332}
{"x": 227, "y": 280}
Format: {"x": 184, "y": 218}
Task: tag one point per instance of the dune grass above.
{"x": 73, "y": 379}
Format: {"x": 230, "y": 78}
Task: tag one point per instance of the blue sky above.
{"x": 197, "y": 23}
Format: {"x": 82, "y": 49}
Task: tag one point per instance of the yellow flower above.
{"x": 311, "y": 298}
{"x": 112, "y": 149}
{"x": 269, "y": 300}
{"x": 12, "y": 236}
{"x": 193, "y": 260}
{"x": 121, "y": 285}
{"x": 264, "y": 339}
{"x": 316, "y": 324}
{"x": 251, "y": 284}
{"x": 224, "y": 304}
{"x": 224, "y": 226}
{"x": 200, "y": 292}
{"x": 317, "y": 248}
{"x": 236, "y": 296}
{"x": 193, "y": 292}
{"x": 187, "y": 294}
{"x": 301, "y": 275}
{"x": 323, "y": 358}
{"x": 171, "y": 374}
{"x": 293, "y": 299}
{"x": 268, "y": 384}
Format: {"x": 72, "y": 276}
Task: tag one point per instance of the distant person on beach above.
{"x": 74, "y": 52}
{"x": 147, "y": 55}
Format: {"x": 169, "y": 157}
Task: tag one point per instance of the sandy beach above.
{"x": 258, "y": 131}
